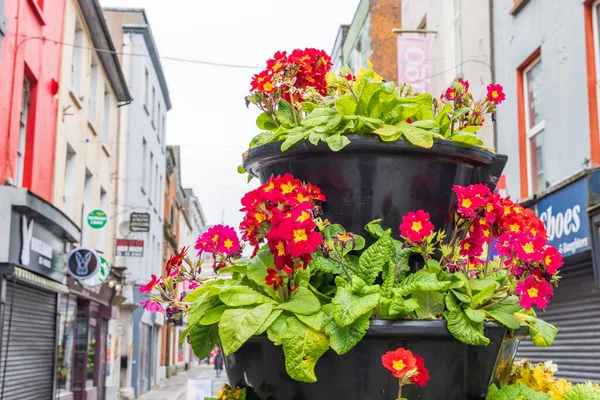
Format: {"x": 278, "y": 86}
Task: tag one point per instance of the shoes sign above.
{"x": 83, "y": 263}
{"x": 139, "y": 222}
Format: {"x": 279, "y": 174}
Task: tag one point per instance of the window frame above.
{"x": 24, "y": 112}
{"x": 146, "y": 90}
{"x": 93, "y": 100}
{"x": 530, "y": 133}
{"x": 77, "y": 60}
{"x": 106, "y": 117}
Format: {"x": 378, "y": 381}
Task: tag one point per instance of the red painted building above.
{"x": 29, "y": 74}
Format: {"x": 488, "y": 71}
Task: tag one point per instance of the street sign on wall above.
{"x": 130, "y": 248}
{"x": 413, "y": 62}
{"x": 139, "y": 222}
{"x": 97, "y": 219}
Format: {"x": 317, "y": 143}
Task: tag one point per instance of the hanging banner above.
{"x": 413, "y": 62}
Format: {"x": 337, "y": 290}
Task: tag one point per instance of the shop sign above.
{"x": 564, "y": 214}
{"x": 83, "y": 263}
{"x": 413, "y": 62}
{"x": 100, "y": 277}
{"x": 97, "y": 219}
{"x": 139, "y": 222}
{"x": 130, "y": 248}
{"x": 35, "y": 247}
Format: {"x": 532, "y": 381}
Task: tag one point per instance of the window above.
{"x": 88, "y": 197}
{"x": 106, "y": 122}
{"x": 150, "y": 185}
{"x": 157, "y": 190}
{"x": 144, "y": 154}
{"x": 76, "y": 62}
{"x": 103, "y": 232}
{"x": 163, "y": 129}
{"x": 457, "y": 39}
{"x": 158, "y": 122}
{"x": 161, "y": 196}
{"x": 25, "y": 106}
{"x": 69, "y": 189}
{"x": 153, "y": 107}
{"x": 172, "y": 216}
{"x": 534, "y": 120}
{"x": 93, "y": 92}
{"x": 66, "y": 335}
{"x": 146, "y": 89}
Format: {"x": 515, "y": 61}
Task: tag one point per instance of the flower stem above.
{"x": 400, "y": 390}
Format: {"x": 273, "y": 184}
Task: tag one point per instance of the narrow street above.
{"x": 176, "y": 387}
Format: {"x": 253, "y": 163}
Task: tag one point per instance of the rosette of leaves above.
{"x": 337, "y": 296}
{"x": 367, "y": 106}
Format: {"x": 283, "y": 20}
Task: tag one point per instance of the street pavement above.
{"x": 175, "y": 388}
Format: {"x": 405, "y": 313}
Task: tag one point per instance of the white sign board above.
{"x": 198, "y": 389}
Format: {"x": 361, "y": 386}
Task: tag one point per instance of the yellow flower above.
{"x": 220, "y": 395}
{"x": 363, "y": 71}
{"x": 559, "y": 389}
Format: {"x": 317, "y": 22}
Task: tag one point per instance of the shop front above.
{"x": 32, "y": 285}
{"x": 83, "y": 340}
{"x": 571, "y": 213}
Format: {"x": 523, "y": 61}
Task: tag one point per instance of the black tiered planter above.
{"x": 367, "y": 180}
{"x": 458, "y": 371}
{"x": 370, "y": 179}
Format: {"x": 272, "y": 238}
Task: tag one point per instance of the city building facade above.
{"x": 140, "y": 189}
{"x": 546, "y": 57}
{"x": 92, "y": 89}
{"x": 370, "y": 37}
{"x": 36, "y": 235}
{"x": 439, "y": 43}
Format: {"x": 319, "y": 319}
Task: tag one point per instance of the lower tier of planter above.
{"x": 458, "y": 371}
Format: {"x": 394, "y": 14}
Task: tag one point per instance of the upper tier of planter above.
{"x": 370, "y": 179}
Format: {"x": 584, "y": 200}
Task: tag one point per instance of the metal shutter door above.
{"x": 30, "y": 343}
{"x": 575, "y": 311}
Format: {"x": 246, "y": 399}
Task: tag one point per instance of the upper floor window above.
{"x": 25, "y": 106}
{"x": 106, "y": 117}
{"x": 93, "y": 91}
{"x": 144, "y": 163}
{"x": 457, "y": 38}
{"x": 153, "y": 107}
{"x": 146, "y": 89}
{"x": 158, "y": 122}
{"x": 76, "y": 60}
{"x": 534, "y": 122}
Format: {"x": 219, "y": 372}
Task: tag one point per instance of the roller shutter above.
{"x": 28, "y": 344}
{"x": 575, "y": 311}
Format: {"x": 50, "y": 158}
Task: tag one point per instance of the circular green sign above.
{"x": 97, "y": 219}
{"x": 100, "y": 276}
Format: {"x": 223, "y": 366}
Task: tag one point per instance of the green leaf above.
{"x": 542, "y": 333}
{"x": 582, "y": 391}
{"x": 421, "y": 280}
{"x": 292, "y": 140}
{"x": 475, "y": 315}
{"x": 200, "y": 307}
{"x": 374, "y": 228}
{"x": 388, "y": 280}
{"x": 401, "y": 307}
{"x": 203, "y": 339}
{"x": 345, "y": 106}
{"x": 307, "y": 106}
{"x": 468, "y": 138}
{"x": 239, "y": 268}
{"x": 319, "y": 116}
{"x": 451, "y": 301}
{"x": 315, "y": 321}
{"x": 241, "y": 170}
{"x": 425, "y": 124}
{"x": 486, "y": 293}
{"x": 337, "y": 142}
{"x": 465, "y": 330}
{"x": 285, "y": 114}
{"x": 276, "y": 329}
{"x": 372, "y": 260}
{"x": 268, "y": 322}
{"x": 417, "y": 136}
{"x": 515, "y": 392}
{"x": 237, "y": 296}
{"x": 461, "y": 296}
{"x": 343, "y": 339}
{"x": 360, "y": 242}
{"x": 184, "y": 333}
{"x": 316, "y": 137}
{"x": 431, "y": 304}
{"x": 264, "y": 121}
{"x": 470, "y": 129}
{"x": 320, "y": 263}
{"x": 371, "y": 123}
{"x": 302, "y": 347}
{"x": 257, "y": 270}
{"x": 213, "y": 315}
{"x": 330, "y": 126}
{"x": 350, "y": 302}
{"x": 211, "y": 289}
{"x": 387, "y": 130}
{"x": 509, "y": 320}
{"x": 238, "y": 325}
{"x": 302, "y": 301}
{"x": 460, "y": 112}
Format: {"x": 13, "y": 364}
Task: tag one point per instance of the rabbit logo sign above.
{"x": 83, "y": 263}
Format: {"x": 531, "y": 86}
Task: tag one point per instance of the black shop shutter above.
{"x": 575, "y": 311}
{"x": 28, "y": 348}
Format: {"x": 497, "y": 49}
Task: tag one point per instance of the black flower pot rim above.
{"x": 425, "y": 329}
{"x": 366, "y": 144}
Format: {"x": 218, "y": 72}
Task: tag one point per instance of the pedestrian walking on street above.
{"x": 219, "y": 362}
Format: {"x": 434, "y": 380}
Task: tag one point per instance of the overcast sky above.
{"x": 209, "y": 119}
